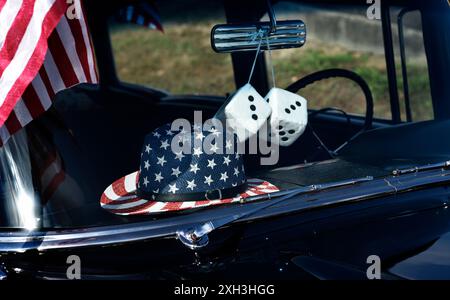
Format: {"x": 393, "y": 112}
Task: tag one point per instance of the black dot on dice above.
{"x": 298, "y": 103}
{"x": 251, "y": 98}
{"x": 293, "y": 107}
{"x": 252, "y": 107}
{"x": 255, "y": 117}
{"x": 287, "y": 110}
{"x": 268, "y": 100}
{"x": 291, "y": 131}
{"x": 282, "y": 133}
{"x": 285, "y": 139}
{"x": 280, "y": 127}
{"x": 181, "y": 144}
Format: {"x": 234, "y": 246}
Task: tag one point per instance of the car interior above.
{"x": 98, "y": 131}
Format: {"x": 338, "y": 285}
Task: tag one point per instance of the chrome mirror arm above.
{"x": 272, "y": 17}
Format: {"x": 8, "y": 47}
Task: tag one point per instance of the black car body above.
{"x": 390, "y": 200}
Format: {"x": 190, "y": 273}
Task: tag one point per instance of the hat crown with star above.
{"x": 205, "y": 163}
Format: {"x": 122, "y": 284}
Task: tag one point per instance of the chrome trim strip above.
{"x": 167, "y": 228}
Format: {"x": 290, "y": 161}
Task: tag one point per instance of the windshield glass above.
{"x": 180, "y": 59}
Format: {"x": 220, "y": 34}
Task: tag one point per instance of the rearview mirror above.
{"x": 226, "y": 38}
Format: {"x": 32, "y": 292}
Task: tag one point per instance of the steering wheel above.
{"x": 331, "y": 73}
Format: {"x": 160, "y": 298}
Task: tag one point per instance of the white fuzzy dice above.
{"x": 247, "y": 112}
{"x": 289, "y": 116}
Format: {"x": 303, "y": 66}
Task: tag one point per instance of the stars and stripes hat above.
{"x": 181, "y": 170}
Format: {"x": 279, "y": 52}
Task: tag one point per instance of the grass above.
{"x": 181, "y": 61}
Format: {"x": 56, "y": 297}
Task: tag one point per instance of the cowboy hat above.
{"x": 183, "y": 169}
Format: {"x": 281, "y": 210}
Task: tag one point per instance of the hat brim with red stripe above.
{"x": 121, "y": 198}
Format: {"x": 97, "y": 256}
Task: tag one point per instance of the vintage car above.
{"x": 359, "y": 189}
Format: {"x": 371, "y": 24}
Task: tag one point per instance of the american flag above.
{"x": 42, "y": 52}
{"x": 143, "y": 13}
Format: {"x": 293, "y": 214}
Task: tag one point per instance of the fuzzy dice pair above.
{"x": 247, "y": 112}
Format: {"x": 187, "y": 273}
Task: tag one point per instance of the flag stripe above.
{"x": 52, "y": 71}
{"x": 13, "y": 123}
{"x": 119, "y": 199}
{"x": 62, "y": 61}
{"x": 4, "y": 134}
{"x": 128, "y": 207}
{"x": 49, "y": 173}
{"x": 48, "y": 160}
{"x": 130, "y": 182}
{"x": 81, "y": 48}
{"x": 2, "y": 4}
{"x": 32, "y": 102}
{"x": 14, "y": 37}
{"x": 42, "y": 93}
{"x": 53, "y": 186}
{"x": 69, "y": 45}
{"x": 26, "y": 62}
{"x": 89, "y": 46}
{"x": 7, "y": 17}
{"x": 48, "y": 85}
{"x": 22, "y": 113}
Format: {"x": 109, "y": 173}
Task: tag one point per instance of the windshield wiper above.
{"x": 196, "y": 236}
{"x": 430, "y": 167}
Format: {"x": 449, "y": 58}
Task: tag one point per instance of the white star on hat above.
{"x": 208, "y": 180}
{"x": 165, "y": 144}
{"x": 158, "y": 177}
{"x": 147, "y": 165}
{"x": 236, "y": 171}
{"x": 214, "y": 148}
{"x": 146, "y": 182}
{"x": 156, "y": 134}
{"x": 148, "y": 148}
{"x": 169, "y": 132}
{"x": 226, "y": 160}
{"x": 161, "y": 161}
{"x": 179, "y": 155}
{"x": 229, "y": 144}
{"x": 198, "y": 151}
{"x": 194, "y": 168}
{"x": 199, "y": 135}
{"x": 173, "y": 188}
{"x": 211, "y": 164}
{"x": 191, "y": 185}
{"x": 176, "y": 172}
{"x": 224, "y": 176}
